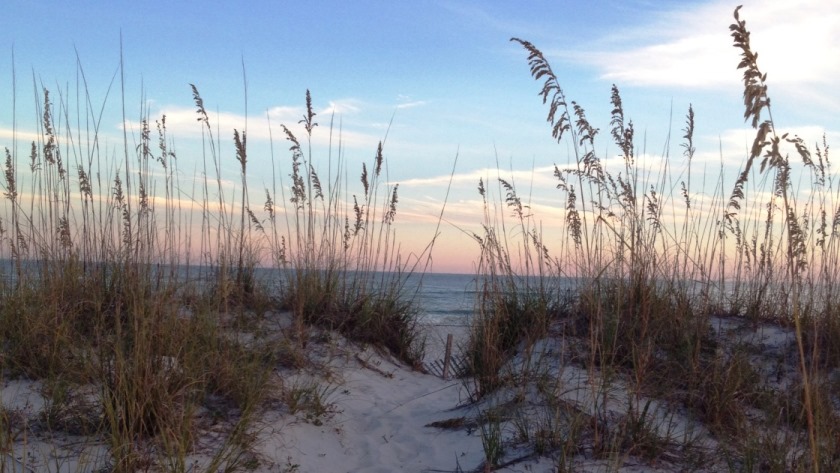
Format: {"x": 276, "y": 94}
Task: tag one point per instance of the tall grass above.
{"x": 655, "y": 261}
{"x": 346, "y": 272}
{"x": 115, "y": 282}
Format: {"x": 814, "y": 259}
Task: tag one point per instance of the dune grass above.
{"x": 636, "y": 290}
{"x": 138, "y": 307}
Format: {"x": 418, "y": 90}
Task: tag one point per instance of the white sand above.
{"x": 376, "y": 416}
{"x": 378, "y": 410}
{"x": 381, "y": 410}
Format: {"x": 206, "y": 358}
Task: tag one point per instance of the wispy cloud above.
{"x": 22, "y": 135}
{"x": 798, "y": 42}
{"x": 482, "y": 15}
{"x": 342, "y": 107}
{"x": 523, "y": 179}
{"x": 182, "y": 122}
{"x": 284, "y": 114}
{"x": 412, "y": 104}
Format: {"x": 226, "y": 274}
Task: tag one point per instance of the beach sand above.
{"x": 375, "y": 414}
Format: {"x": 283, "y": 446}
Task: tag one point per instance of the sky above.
{"x": 433, "y": 79}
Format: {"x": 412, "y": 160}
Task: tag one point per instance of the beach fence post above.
{"x": 447, "y": 358}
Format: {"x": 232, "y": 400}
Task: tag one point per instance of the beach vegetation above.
{"x": 681, "y": 321}
{"x": 149, "y": 312}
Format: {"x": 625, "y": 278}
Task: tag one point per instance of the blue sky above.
{"x": 445, "y": 70}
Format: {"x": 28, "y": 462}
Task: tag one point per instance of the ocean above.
{"x": 442, "y": 299}
{"x": 447, "y": 299}
{"x": 445, "y": 302}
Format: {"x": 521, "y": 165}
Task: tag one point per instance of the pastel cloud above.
{"x": 690, "y": 47}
